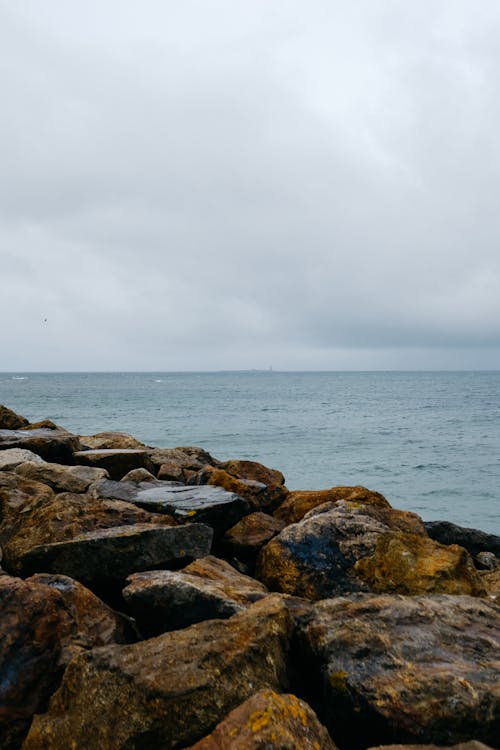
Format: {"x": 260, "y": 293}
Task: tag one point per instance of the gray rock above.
{"x": 61, "y": 478}
{"x": 116, "y": 461}
{"x": 51, "y": 444}
{"x": 12, "y": 457}
{"x": 473, "y": 540}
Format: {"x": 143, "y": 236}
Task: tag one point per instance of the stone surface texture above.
{"x": 12, "y": 457}
{"x": 300, "y": 502}
{"x": 111, "y": 440}
{"x": 116, "y": 461}
{"x": 259, "y": 495}
{"x": 9, "y": 420}
{"x": 60, "y": 477}
{"x": 55, "y": 445}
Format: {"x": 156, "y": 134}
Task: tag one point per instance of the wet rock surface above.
{"x": 167, "y": 692}
{"x": 406, "y": 669}
{"x": 206, "y": 589}
{"x": 269, "y": 720}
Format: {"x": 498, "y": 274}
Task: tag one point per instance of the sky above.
{"x": 238, "y": 184}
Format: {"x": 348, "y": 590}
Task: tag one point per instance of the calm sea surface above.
{"x": 429, "y": 441}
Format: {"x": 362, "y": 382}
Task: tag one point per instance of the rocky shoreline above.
{"x": 159, "y": 598}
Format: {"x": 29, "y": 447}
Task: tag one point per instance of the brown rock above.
{"x": 315, "y": 557}
{"x": 138, "y": 475}
{"x": 171, "y": 471}
{"x": 244, "y": 540}
{"x": 61, "y": 478}
{"x": 269, "y": 720}
{"x": 186, "y": 458}
{"x": 411, "y": 564}
{"x": 43, "y": 423}
{"x": 45, "y": 622}
{"x": 253, "y": 470}
{"x": 491, "y": 580}
{"x": 17, "y": 496}
{"x": 405, "y": 669}
{"x": 169, "y": 691}
{"x": 300, "y": 502}
{"x": 206, "y": 589}
{"x": 471, "y": 745}
{"x": 9, "y": 420}
{"x": 260, "y": 496}
{"x": 111, "y": 440}
{"x": 55, "y": 445}
{"x": 117, "y": 462}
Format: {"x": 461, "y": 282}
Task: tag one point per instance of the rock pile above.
{"x": 158, "y": 598}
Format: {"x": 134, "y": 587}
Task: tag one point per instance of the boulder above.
{"x": 104, "y": 557}
{"x": 259, "y": 495}
{"x": 61, "y": 478}
{"x": 50, "y": 519}
{"x": 17, "y": 496}
{"x": 246, "y": 538}
{"x": 315, "y": 557}
{"x": 171, "y": 472}
{"x": 138, "y": 475}
{"x": 51, "y": 444}
{"x": 491, "y": 580}
{"x": 170, "y": 691}
{"x": 486, "y": 561}
{"x": 253, "y": 470}
{"x": 12, "y": 457}
{"x": 211, "y": 505}
{"x": 9, "y": 420}
{"x": 116, "y": 461}
{"x": 402, "y": 669}
{"x": 206, "y": 589}
{"x": 411, "y": 564}
{"x": 269, "y": 720}
{"x": 300, "y": 502}
{"x": 45, "y": 622}
{"x": 111, "y": 440}
{"x": 188, "y": 459}
{"x": 473, "y": 540}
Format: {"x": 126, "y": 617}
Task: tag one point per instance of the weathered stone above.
{"x": 43, "y": 423}
{"x": 211, "y": 505}
{"x": 9, "y": 420}
{"x": 52, "y": 445}
{"x": 315, "y": 557}
{"x": 487, "y": 561}
{"x": 106, "y": 556}
{"x": 61, "y": 478}
{"x": 171, "y": 472}
{"x": 17, "y": 497}
{"x": 117, "y": 462}
{"x": 45, "y": 622}
{"x": 491, "y": 580}
{"x": 300, "y": 502}
{"x": 471, "y": 745}
{"x": 111, "y": 440}
{"x": 270, "y": 720}
{"x": 138, "y": 475}
{"x": 206, "y": 589}
{"x": 168, "y": 691}
{"x": 187, "y": 458}
{"x": 405, "y": 669}
{"x": 12, "y": 457}
{"x": 260, "y": 496}
{"x": 246, "y": 538}
{"x": 253, "y": 470}
{"x": 473, "y": 540}
{"x": 55, "y": 519}
{"x": 411, "y": 564}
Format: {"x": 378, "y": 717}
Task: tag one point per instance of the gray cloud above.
{"x": 233, "y": 184}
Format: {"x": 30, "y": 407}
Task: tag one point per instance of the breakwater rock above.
{"x": 156, "y": 598}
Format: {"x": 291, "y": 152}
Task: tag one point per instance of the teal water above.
{"x": 429, "y": 441}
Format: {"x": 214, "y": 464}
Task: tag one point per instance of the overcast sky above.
{"x": 210, "y": 184}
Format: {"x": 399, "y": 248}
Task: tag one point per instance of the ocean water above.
{"x": 429, "y": 441}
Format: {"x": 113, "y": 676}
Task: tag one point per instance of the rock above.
{"x": 117, "y": 462}
{"x": 300, "y": 502}
{"x": 50, "y": 519}
{"x": 260, "y": 496}
{"x": 471, "y": 745}
{"x": 206, "y": 589}
{"x": 405, "y": 669}
{"x": 138, "y": 475}
{"x": 17, "y": 496}
{"x": 111, "y": 440}
{"x": 52, "y": 445}
{"x": 43, "y": 423}
{"x": 411, "y": 564}
{"x": 473, "y": 540}
{"x": 12, "y": 457}
{"x": 491, "y": 580}
{"x": 246, "y": 538}
{"x": 9, "y": 420}
{"x": 186, "y": 458}
{"x": 61, "y": 478}
{"x": 45, "y": 622}
{"x": 104, "y": 557}
{"x": 171, "y": 472}
{"x": 170, "y": 691}
{"x": 315, "y": 557}
{"x": 253, "y": 470}
{"x": 211, "y": 505}
{"x": 487, "y": 561}
{"x": 269, "y": 720}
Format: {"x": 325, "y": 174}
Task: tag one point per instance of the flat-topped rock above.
{"x": 12, "y": 457}
{"x": 115, "y": 440}
{"x": 405, "y": 669}
{"x": 211, "y": 505}
{"x": 167, "y": 692}
{"x": 206, "y": 589}
{"x": 60, "y": 477}
{"x": 55, "y": 445}
{"x": 106, "y": 556}
{"x": 116, "y": 461}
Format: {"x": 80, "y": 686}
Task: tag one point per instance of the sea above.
{"x": 429, "y": 441}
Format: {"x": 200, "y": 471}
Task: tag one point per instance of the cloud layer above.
{"x": 230, "y": 184}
